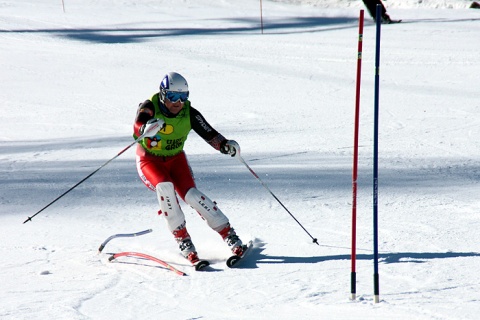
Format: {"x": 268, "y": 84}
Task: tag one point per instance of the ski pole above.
{"x": 270, "y": 191}
{"x": 149, "y": 131}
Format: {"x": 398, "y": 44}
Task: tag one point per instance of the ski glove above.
{"x": 230, "y": 147}
{"x": 151, "y": 128}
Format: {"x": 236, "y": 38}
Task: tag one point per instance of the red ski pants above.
{"x": 155, "y": 169}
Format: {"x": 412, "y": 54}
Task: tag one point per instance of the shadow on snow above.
{"x": 299, "y": 174}
{"x": 132, "y": 35}
{"x": 257, "y": 257}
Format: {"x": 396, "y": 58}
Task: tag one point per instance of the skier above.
{"x": 163, "y": 167}
{"x": 372, "y": 9}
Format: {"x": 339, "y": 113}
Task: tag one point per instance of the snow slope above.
{"x": 70, "y": 84}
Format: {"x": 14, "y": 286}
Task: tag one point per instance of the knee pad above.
{"x": 206, "y": 208}
{"x": 169, "y": 206}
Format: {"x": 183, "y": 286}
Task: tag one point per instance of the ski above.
{"x": 234, "y": 260}
{"x": 392, "y": 21}
{"x": 146, "y": 256}
{"x": 201, "y": 265}
{"x": 196, "y": 262}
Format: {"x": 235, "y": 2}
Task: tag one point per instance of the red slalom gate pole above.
{"x": 353, "y": 274}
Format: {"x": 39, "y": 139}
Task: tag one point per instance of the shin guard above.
{"x": 169, "y": 206}
{"x": 207, "y": 209}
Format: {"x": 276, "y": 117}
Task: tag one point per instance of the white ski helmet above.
{"x": 175, "y": 85}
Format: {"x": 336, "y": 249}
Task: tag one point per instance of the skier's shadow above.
{"x": 257, "y": 257}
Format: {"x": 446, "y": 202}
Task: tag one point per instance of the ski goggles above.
{"x": 174, "y": 96}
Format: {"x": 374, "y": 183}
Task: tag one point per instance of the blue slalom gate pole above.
{"x": 376, "y": 278}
